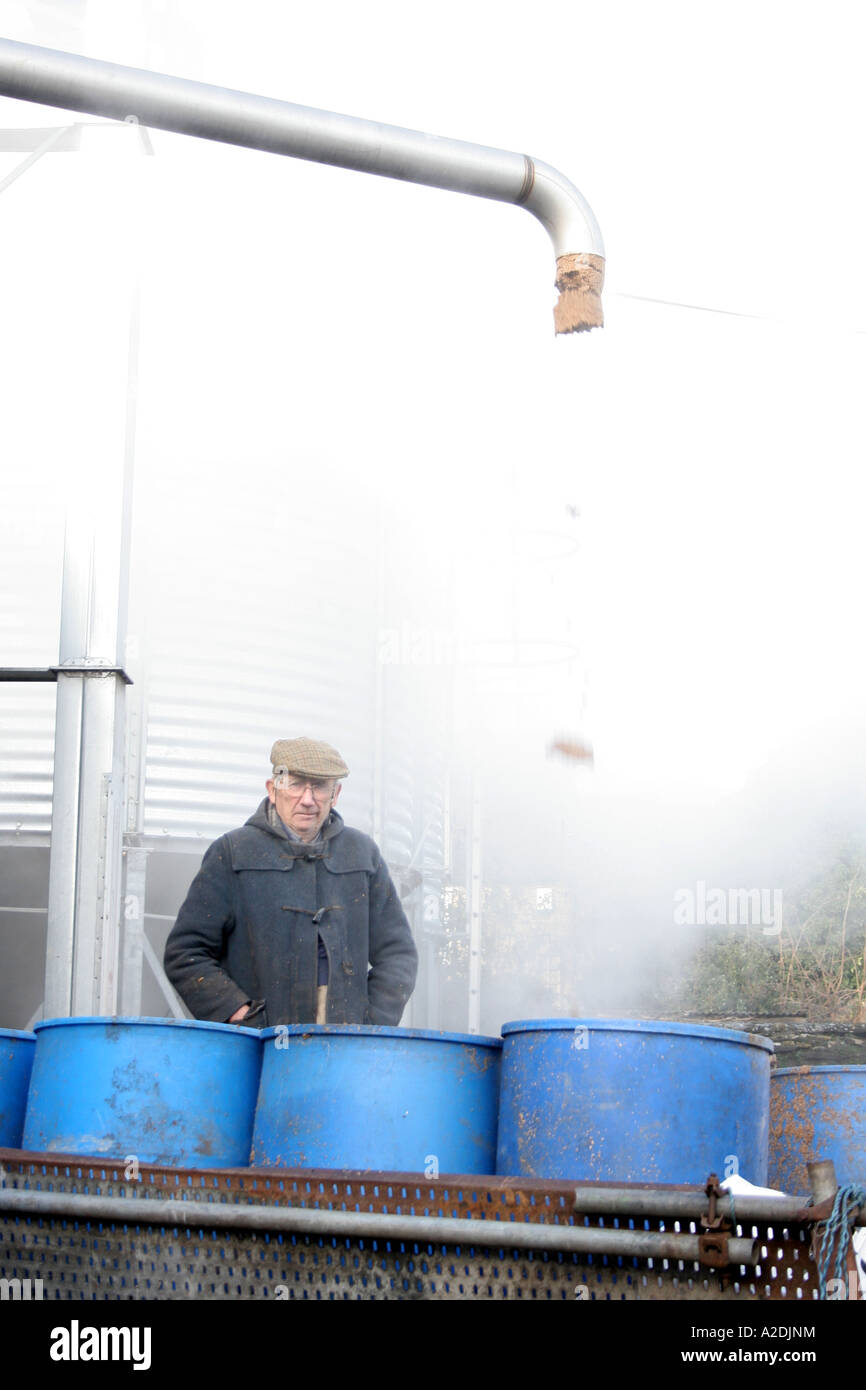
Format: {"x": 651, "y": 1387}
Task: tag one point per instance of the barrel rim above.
{"x": 19, "y": 1034}
{"x": 199, "y": 1024}
{"x": 637, "y": 1025}
{"x": 374, "y": 1030}
{"x": 808, "y": 1070}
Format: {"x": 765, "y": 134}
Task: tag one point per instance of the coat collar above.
{"x": 265, "y": 818}
{"x": 258, "y": 845}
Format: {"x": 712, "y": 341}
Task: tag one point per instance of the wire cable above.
{"x": 710, "y": 309}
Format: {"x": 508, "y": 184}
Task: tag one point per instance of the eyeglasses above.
{"x": 322, "y": 791}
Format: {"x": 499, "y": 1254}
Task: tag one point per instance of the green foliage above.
{"x": 735, "y": 970}
{"x": 823, "y": 957}
{"x": 816, "y": 965}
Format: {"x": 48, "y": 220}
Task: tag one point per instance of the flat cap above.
{"x": 308, "y": 756}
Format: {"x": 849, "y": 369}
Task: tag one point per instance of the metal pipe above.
{"x": 75, "y": 83}
{"x": 437, "y": 1230}
{"x": 28, "y": 673}
{"x": 822, "y": 1180}
{"x": 688, "y": 1206}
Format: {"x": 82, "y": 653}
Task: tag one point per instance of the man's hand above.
{"x": 239, "y": 1013}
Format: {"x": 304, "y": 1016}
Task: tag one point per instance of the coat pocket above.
{"x": 257, "y": 1016}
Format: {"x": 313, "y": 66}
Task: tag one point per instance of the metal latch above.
{"x": 713, "y": 1240}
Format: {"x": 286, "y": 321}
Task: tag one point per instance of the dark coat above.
{"x": 249, "y": 928}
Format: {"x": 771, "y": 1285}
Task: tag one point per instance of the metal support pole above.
{"x": 86, "y": 818}
{"x": 88, "y": 809}
{"x": 133, "y": 930}
{"x": 431, "y": 974}
{"x": 378, "y": 807}
{"x": 474, "y": 906}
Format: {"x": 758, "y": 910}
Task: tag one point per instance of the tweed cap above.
{"x": 308, "y": 756}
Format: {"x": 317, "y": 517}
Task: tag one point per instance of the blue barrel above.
{"x": 159, "y": 1090}
{"x": 16, "y": 1062}
{"x": 815, "y": 1113}
{"x": 621, "y": 1100}
{"x": 391, "y": 1099}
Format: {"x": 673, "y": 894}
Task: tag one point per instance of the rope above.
{"x": 837, "y": 1234}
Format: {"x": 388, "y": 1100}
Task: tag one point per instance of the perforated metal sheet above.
{"x": 92, "y": 1259}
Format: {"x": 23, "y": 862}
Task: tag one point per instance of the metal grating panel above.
{"x": 94, "y": 1259}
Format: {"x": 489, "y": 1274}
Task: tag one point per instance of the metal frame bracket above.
{"x": 82, "y": 668}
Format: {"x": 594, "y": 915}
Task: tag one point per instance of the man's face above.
{"x": 303, "y": 803}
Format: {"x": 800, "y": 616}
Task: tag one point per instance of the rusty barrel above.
{"x": 815, "y": 1113}
{"x": 624, "y": 1100}
{"x": 158, "y": 1090}
{"x": 16, "y": 1062}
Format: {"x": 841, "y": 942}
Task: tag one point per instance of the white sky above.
{"x": 717, "y": 461}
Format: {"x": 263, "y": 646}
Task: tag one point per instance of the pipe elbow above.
{"x": 577, "y": 242}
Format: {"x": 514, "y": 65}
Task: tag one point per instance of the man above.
{"x": 293, "y": 918}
